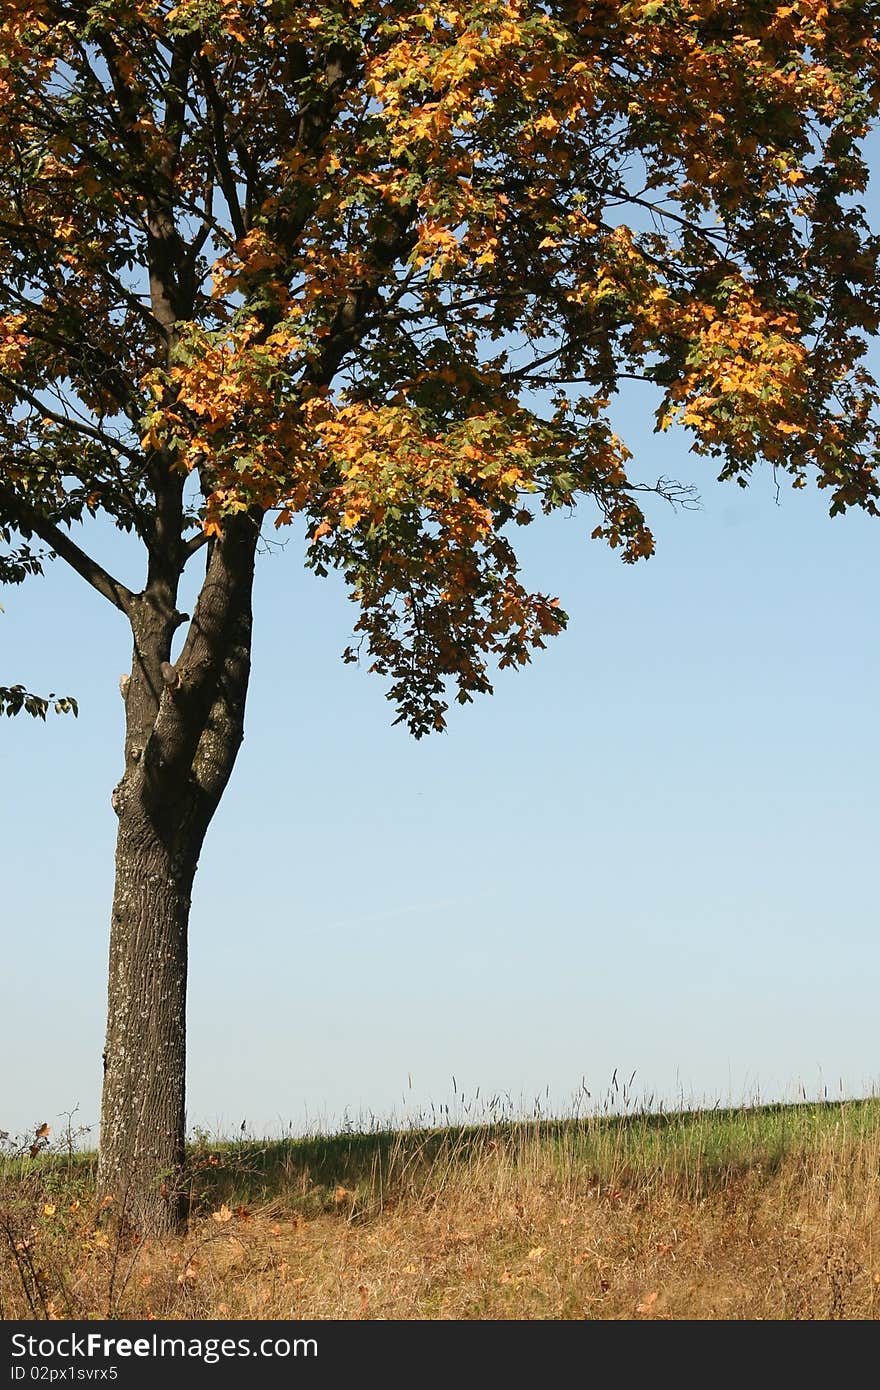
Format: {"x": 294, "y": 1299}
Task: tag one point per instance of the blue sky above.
{"x": 653, "y": 850}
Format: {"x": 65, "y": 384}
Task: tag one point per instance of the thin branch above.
{"x": 710, "y": 233}
{"x": 109, "y": 441}
{"x": 222, "y": 163}
{"x": 27, "y": 518}
{"x": 194, "y": 545}
{"x": 684, "y": 495}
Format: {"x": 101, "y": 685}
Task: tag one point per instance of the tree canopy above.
{"x": 380, "y": 268}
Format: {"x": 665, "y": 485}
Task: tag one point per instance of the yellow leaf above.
{"x": 49, "y": 1209}
{"x": 536, "y": 1253}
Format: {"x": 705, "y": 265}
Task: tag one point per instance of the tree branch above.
{"x": 109, "y": 441}
{"x": 395, "y": 240}
{"x": 222, "y": 163}
{"x": 194, "y": 545}
{"x": 28, "y": 520}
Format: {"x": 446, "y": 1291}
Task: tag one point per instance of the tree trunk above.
{"x": 143, "y": 1115}
{"x": 184, "y": 727}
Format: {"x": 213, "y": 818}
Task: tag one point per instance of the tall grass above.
{"x": 751, "y": 1212}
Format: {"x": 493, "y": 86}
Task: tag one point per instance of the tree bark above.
{"x": 143, "y": 1115}
{"x": 184, "y": 727}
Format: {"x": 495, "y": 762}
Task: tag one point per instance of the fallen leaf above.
{"x": 647, "y": 1302}
{"x": 223, "y": 1215}
{"x": 49, "y": 1209}
{"x": 536, "y": 1253}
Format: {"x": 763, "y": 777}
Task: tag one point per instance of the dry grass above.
{"x": 769, "y": 1213}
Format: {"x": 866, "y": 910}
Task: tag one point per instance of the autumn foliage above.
{"x": 378, "y": 269}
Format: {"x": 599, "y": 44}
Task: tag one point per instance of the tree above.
{"x": 377, "y": 270}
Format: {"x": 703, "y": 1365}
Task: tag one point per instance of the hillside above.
{"x": 755, "y": 1213}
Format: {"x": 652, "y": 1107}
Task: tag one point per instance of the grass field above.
{"x": 764, "y": 1212}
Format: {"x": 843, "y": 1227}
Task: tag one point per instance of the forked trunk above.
{"x": 184, "y": 727}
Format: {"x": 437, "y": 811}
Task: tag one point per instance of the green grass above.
{"x": 694, "y": 1151}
